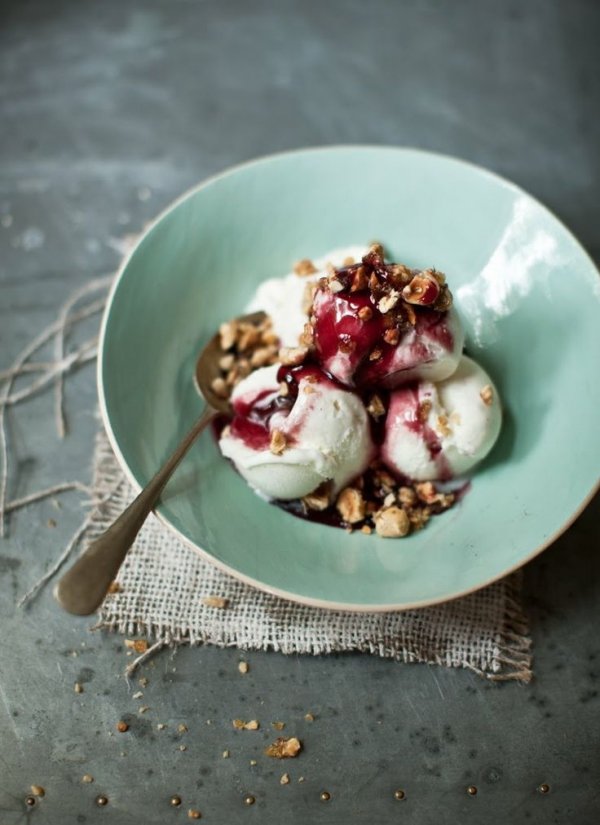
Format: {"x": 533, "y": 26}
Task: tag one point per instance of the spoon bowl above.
{"x": 82, "y": 589}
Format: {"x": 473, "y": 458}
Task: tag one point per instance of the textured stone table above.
{"x": 108, "y": 111}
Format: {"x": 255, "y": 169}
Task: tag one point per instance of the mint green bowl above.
{"x": 529, "y": 297}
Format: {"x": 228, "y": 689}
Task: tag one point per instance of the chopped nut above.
{"x": 249, "y": 337}
{"x": 194, "y": 814}
{"x": 87, "y": 778}
{"x": 365, "y": 313}
{"x": 391, "y": 522}
{"x": 309, "y": 717}
{"x": 350, "y": 505}
{"x": 392, "y": 336}
{"x": 285, "y": 779}
{"x": 216, "y": 601}
{"x": 137, "y": 695}
{"x": 376, "y": 407}
{"x": 426, "y": 491}
{"x": 78, "y": 688}
{"x": 143, "y": 709}
{"x": 419, "y": 516}
{"x": 292, "y": 356}
{"x": 143, "y": 681}
{"x": 226, "y": 754}
{"x": 262, "y": 356}
{"x": 423, "y": 289}
{"x": 114, "y": 587}
{"x": 335, "y": 285}
{"x": 407, "y": 496}
{"x": 283, "y": 748}
{"x": 183, "y": 747}
{"x": 375, "y": 354}
{"x": 376, "y": 248}
{"x": 228, "y": 333}
{"x": 278, "y": 442}
{"x": 388, "y": 301}
{"x": 278, "y": 725}
{"x": 487, "y": 395}
{"x": 38, "y": 790}
{"x": 307, "y": 337}
{"x": 138, "y": 645}
{"x": 182, "y": 728}
{"x": 226, "y": 362}
{"x": 219, "y": 387}
{"x": 443, "y": 427}
{"x": 304, "y": 268}
{"x": 243, "y": 667}
{"x": 253, "y": 762}
{"x": 359, "y": 280}
{"x": 389, "y": 500}
{"x": 320, "y": 498}
{"x": 366, "y": 529}
{"x": 239, "y": 724}
{"x": 161, "y": 726}
{"x": 423, "y": 410}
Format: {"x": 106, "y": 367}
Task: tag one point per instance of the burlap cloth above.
{"x": 163, "y": 584}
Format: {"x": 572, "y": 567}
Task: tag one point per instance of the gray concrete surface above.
{"x": 101, "y": 102}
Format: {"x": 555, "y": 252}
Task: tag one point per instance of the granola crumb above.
{"x": 183, "y": 747}
{"x": 278, "y": 442}
{"x": 161, "y": 726}
{"x": 182, "y": 728}
{"x": 122, "y": 727}
{"x": 239, "y": 724}
{"x": 391, "y": 522}
{"x": 301, "y": 779}
{"x": 228, "y": 333}
{"x": 219, "y": 602}
{"x": 320, "y": 498}
{"x": 350, "y": 505}
{"x": 283, "y": 748}
{"x": 304, "y": 268}
{"x": 137, "y": 695}
{"x": 78, "y": 688}
{"x": 487, "y": 395}
{"x": 243, "y": 667}
{"x": 309, "y": 717}
{"x": 194, "y": 814}
{"x": 226, "y": 754}
{"x": 87, "y": 778}
{"x": 38, "y": 790}
{"x": 278, "y": 725}
{"x": 143, "y": 709}
{"x": 366, "y": 529}
{"x": 219, "y": 387}
{"x": 292, "y": 356}
{"x": 285, "y": 779}
{"x": 137, "y": 645}
{"x": 253, "y": 762}
{"x": 376, "y": 407}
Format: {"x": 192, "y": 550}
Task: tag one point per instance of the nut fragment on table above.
{"x": 138, "y": 645}
{"x": 239, "y": 724}
{"x": 219, "y": 602}
{"x": 284, "y": 748}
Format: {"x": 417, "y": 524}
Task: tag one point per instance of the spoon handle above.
{"x": 83, "y": 587}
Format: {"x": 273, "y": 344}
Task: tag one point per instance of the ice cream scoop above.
{"x": 378, "y": 324}
{"x": 293, "y": 429}
{"x": 438, "y": 431}
{"x": 287, "y": 301}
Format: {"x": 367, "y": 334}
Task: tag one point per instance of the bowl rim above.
{"x": 204, "y": 554}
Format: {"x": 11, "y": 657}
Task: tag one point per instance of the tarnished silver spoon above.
{"x": 84, "y": 586}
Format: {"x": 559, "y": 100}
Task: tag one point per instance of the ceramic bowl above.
{"x": 529, "y": 298}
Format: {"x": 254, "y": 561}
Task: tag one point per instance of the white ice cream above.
{"x": 283, "y": 298}
{"x": 328, "y": 438}
{"x": 436, "y": 431}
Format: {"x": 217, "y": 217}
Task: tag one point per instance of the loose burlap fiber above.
{"x": 163, "y": 584}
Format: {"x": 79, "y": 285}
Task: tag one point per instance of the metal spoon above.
{"x": 83, "y": 587}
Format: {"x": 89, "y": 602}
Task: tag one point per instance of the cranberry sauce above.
{"x": 407, "y": 409}
{"x": 252, "y": 416}
{"x": 367, "y": 327}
